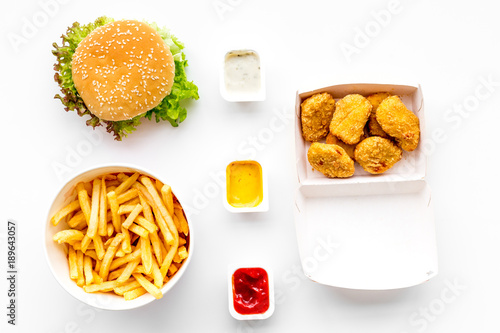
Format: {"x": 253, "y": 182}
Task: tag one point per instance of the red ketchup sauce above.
{"x": 250, "y": 291}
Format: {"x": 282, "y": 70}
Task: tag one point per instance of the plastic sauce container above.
{"x": 242, "y": 79}
{"x": 245, "y": 186}
{"x": 251, "y": 293}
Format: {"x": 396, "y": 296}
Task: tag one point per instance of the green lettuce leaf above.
{"x": 169, "y": 109}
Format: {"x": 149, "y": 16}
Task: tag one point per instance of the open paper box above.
{"x": 370, "y": 232}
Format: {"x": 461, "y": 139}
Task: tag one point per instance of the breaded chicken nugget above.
{"x": 331, "y": 160}
{"x": 399, "y": 122}
{"x": 349, "y": 149}
{"x": 350, "y": 118}
{"x": 316, "y": 115}
{"x": 377, "y": 155}
{"x": 374, "y": 128}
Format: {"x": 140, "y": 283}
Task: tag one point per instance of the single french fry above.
{"x": 73, "y": 267}
{"x": 179, "y": 213}
{"x": 86, "y": 243}
{"x": 113, "y": 183}
{"x": 108, "y": 242}
{"x": 94, "y": 208}
{"x": 157, "y": 277}
{"x": 126, "y": 209}
{"x": 164, "y": 251}
{"x": 151, "y": 288}
{"x": 104, "y": 286}
{"x": 110, "y": 187}
{"x": 182, "y": 253}
{"x": 91, "y": 254}
{"x": 108, "y": 257}
{"x": 172, "y": 269}
{"x": 78, "y": 246}
{"x": 146, "y": 208}
{"x": 103, "y": 209}
{"x": 126, "y": 245}
{"x": 182, "y": 241}
{"x": 129, "y": 269}
{"x": 156, "y": 244}
{"x": 168, "y": 199}
{"x": 167, "y": 235}
{"x": 125, "y": 185}
{"x": 68, "y": 235}
{"x": 141, "y": 270}
{"x": 113, "y": 206}
{"x": 176, "y": 222}
{"x": 71, "y": 207}
{"x": 176, "y": 258}
{"x": 172, "y": 251}
{"x": 117, "y": 262}
{"x": 99, "y": 247}
{"x": 120, "y": 290}
{"x": 138, "y": 230}
{"x": 80, "y": 281}
{"x": 97, "y": 266}
{"x": 146, "y": 254}
{"x": 133, "y": 294}
{"x": 121, "y": 177}
{"x": 87, "y": 270}
{"x": 77, "y": 220}
{"x": 158, "y": 185}
{"x": 120, "y": 253}
{"x": 81, "y": 225}
{"x": 113, "y": 275}
{"x": 97, "y": 278}
{"x": 144, "y": 222}
{"x": 128, "y": 195}
{"x": 83, "y": 198}
{"x": 132, "y": 216}
{"x": 111, "y": 229}
{"x": 132, "y": 202}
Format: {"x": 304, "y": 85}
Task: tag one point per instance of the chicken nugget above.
{"x": 377, "y": 155}
{"x": 316, "y": 114}
{"x": 349, "y": 149}
{"x": 374, "y": 128}
{"x": 399, "y": 122}
{"x": 350, "y": 118}
{"x": 331, "y": 160}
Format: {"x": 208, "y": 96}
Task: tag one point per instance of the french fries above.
{"x": 65, "y": 211}
{"x": 126, "y": 233}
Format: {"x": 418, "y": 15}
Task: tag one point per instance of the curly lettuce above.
{"x": 169, "y": 109}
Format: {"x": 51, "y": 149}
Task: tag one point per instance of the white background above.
{"x": 451, "y": 48}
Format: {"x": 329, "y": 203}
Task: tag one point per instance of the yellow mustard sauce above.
{"x": 244, "y": 184}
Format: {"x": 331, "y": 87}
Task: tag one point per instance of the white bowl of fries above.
{"x": 117, "y": 238}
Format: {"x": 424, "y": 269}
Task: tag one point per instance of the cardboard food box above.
{"x": 371, "y": 232}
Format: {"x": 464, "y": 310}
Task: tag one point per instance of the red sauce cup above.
{"x": 251, "y": 292}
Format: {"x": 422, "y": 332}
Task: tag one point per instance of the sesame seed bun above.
{"x": 122, "y": 70}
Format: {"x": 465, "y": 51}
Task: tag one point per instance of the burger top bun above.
{"x": 122, "y": 70}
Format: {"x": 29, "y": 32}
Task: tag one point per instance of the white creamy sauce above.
{"x": 242, "y": 72}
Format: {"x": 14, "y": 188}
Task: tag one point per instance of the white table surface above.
{"x": 451, "y": 48}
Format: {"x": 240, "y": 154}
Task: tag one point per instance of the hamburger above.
{"x": 118, "y": 72}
